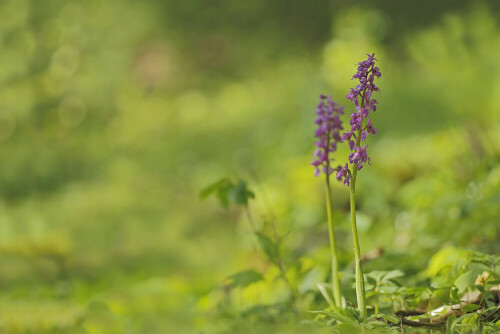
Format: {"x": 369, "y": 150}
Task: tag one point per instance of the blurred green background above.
{"x": 115, "y": 114}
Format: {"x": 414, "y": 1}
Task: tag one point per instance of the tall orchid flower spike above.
{"x": 328, "y": 135}
{"x": 361, "y": 96}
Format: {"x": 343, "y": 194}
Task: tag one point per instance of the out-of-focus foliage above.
{"x": 115, "y": 114}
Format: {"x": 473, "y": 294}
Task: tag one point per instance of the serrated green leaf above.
{"x": 244, "y": 278}
{"x": 337, "y": 316}
{"x": 393, "y": 274}
{"x": 268, "y": 246}
{"x": 470, "y": 323}
{"x": 239, "y": 193}
{"x": 223, "y": 196}
{"x": 441, "y": 286}
{"x": 454, "y": 294}
{"x": 465, "y": 281}
{"x": 415, "y": 290}
{"x": 376, "y": 323}
{"x": 218, "y": 188}
{"x": 449, "y": 324}
{"x": 341, "y": 315}
{"x": 368, "y": 285}
{"x": 324, "y": 292}
{"x": 470, "y": 307}
{"x": 354, "y": 313}
{"x": 376, "y": 275}
{"x": 373, "y": 293}
{"x": 464, "y": 318}
{"x": 207, "y": 191}
{"x": 345, "y": 328}
{"x": 390, "y": 318}
{"x": 229, "y": 193}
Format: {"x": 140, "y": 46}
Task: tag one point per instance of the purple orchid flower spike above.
{"x": 328, "y": 133}
{"x": 361, "y": 96}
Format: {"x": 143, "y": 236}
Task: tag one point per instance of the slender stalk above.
{"x": 429, "y": 307}
{"x": 360, "y": 283}
{"x": 278, "y": 263}
{"x": 293, "y": 292}
{"x": 337, "y": 295}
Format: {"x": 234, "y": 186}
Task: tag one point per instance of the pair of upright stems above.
{"x": 360, "y": 284}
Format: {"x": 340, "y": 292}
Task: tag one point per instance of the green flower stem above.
{"x": 337, "y": 295}
{"x": 360, "y": 283}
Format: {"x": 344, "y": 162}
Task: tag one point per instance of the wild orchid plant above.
{"x": 361, "y": 97}
{"x": 328, "y": 132}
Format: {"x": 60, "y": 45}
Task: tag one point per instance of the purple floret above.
{"x": 343, "y": 173}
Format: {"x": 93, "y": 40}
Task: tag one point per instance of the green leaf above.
{"x": 469, "y": 308}
{"x": 389, "y": 318}
{"x": 268, "y": 246}
{"x": 345, "y": 328}
{"x": 449, "y": 324}
{"x": 454, "y": 294}
{"x": 415, "y": 291}
{"x": 244, "y": 278}
{"x": 490, "y": 304}
{"x": 354, "y": 313}
{"x": 205, "y": 192}
{"x": 393, "y": 274}
{"x": 465, "y": 281}
{"x": 441, "y": 286}
{"x": 376, "y": 275}
{"x": 340, "y": 315}
{"x": 222, "y": 196}
{"x": 239, "y": 193}
{"x": 228, "y": 193}
{"x": 470, "y": 323}
{"x": 220, "y": 189}
{"x": 464, "y": 319}
{"x": 376, "y": 323}
{"x": 370, "y": 294}
{"x": 323, "y": 289}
